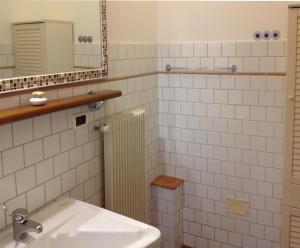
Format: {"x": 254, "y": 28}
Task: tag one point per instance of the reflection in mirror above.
{"x": 49, "y": 36}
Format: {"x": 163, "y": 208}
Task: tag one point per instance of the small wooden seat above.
{"x": 167, "y": 182}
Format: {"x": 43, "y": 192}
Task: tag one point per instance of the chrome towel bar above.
{"x": 232, "y": 68}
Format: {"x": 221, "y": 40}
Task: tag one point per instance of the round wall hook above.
{"x": 80, "y": 39}
{"x": 257, "y": 35}
{"x": 90, "y": 39}
{"x": 168, "y": 67}
{"x": 267, "y": 35}
{"x": 85, "y": 39}
{"x": 275, "y": 35}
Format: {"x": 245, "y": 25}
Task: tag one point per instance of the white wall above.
{"x": 180, "y": 21}
{"x": 84, "y": 14}
{"x": 132, "y": 21}
{"x": 151, "y": 21}
{"x": 196, "y": 21}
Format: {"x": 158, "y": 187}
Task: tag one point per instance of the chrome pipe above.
{"x": 232, "y": 68}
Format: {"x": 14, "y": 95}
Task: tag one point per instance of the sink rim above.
{"x": 50, "y": 215}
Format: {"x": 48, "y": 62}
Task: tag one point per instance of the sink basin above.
{"x": 76, "y": 224}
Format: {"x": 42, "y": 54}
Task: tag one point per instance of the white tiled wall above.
{"x": 223, "y": 135}
{"x": 6, "y": 59}
{"x": 249, "y": 56}
{"x": 43, "y": 158}
{"x": 38, "y": 163}
{"x": 87, "y": 54}
{"x": 126, "y": 59}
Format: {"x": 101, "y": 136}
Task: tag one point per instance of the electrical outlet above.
{"x": 80, "y": 120}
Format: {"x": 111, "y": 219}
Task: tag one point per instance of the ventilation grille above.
{"x": 295, "y": 232}
{"x": 296, "y": 141}
{"x": 28, "y": 40}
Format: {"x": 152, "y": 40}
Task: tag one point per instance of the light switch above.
{"x": 80, "y": 120}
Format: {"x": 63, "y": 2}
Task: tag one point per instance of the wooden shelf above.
{"x": 167, "y": 182}
{"x": 25, "y": 112}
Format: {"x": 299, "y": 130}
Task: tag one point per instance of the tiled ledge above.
{"x": 167, "y": 182}
{"x": 220, "y": 73}
{"x": 125, "y": 77}
{"x": 25, "y": 112}
{"x": 7, "y": 67}
{"x": 74, "y": 84}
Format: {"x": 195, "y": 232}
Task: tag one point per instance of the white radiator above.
{"x": 124, "y": 159}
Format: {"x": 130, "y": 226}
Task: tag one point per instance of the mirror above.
{"x": 49, "y": 36}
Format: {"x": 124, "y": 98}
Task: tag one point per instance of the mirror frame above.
{"x": 20, "y": 84}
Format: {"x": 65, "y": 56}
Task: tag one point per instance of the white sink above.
{"x": 75, "y": 224}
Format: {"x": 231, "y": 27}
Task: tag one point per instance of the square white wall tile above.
{"x": 68, "y": 180}
{"x": 9, "y": 184}
{"x": 6, "y": 136}
{"x": 13, "y": 160}
{"x": 214, "y": 49}
{"x": 53, "y": 189}
{"x": 61, "y": 163}
{"x": 22, "y": 131}
{"x": 187, "y": 50}
{"x": 67, "y": 140}
{"x": 36, "y": 198}
{"x": 59, "y": 121}
{"x": 76, "y": 156}
{"x": 228, "y": 49}
{"x": 243, "y": 48}
{"x": 33, "y": 152}
{"x": 25, "y": 179}
{"x": 200, "y": 49}
{"x": 174, "y": 50}
{"x": 267, "y": 64}
{"x": 51, "y": 145}
{"x": 44, "y": 171}
{"x": 259, "y": 48}
{"x": 276, "y": 48}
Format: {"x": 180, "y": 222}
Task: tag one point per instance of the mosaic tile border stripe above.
{"x": 19, "y": 83}
{"x": 103, "y": 26}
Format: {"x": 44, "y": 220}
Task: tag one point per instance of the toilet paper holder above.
{"x": 104, "y": 128}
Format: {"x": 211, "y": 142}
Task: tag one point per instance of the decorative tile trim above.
{"x": 103, "y": 26}
{"x": 19, "y": 83}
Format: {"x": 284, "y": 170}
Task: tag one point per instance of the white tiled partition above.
{"x": 167, "y": 214}
{"x": 223, "y": 136}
